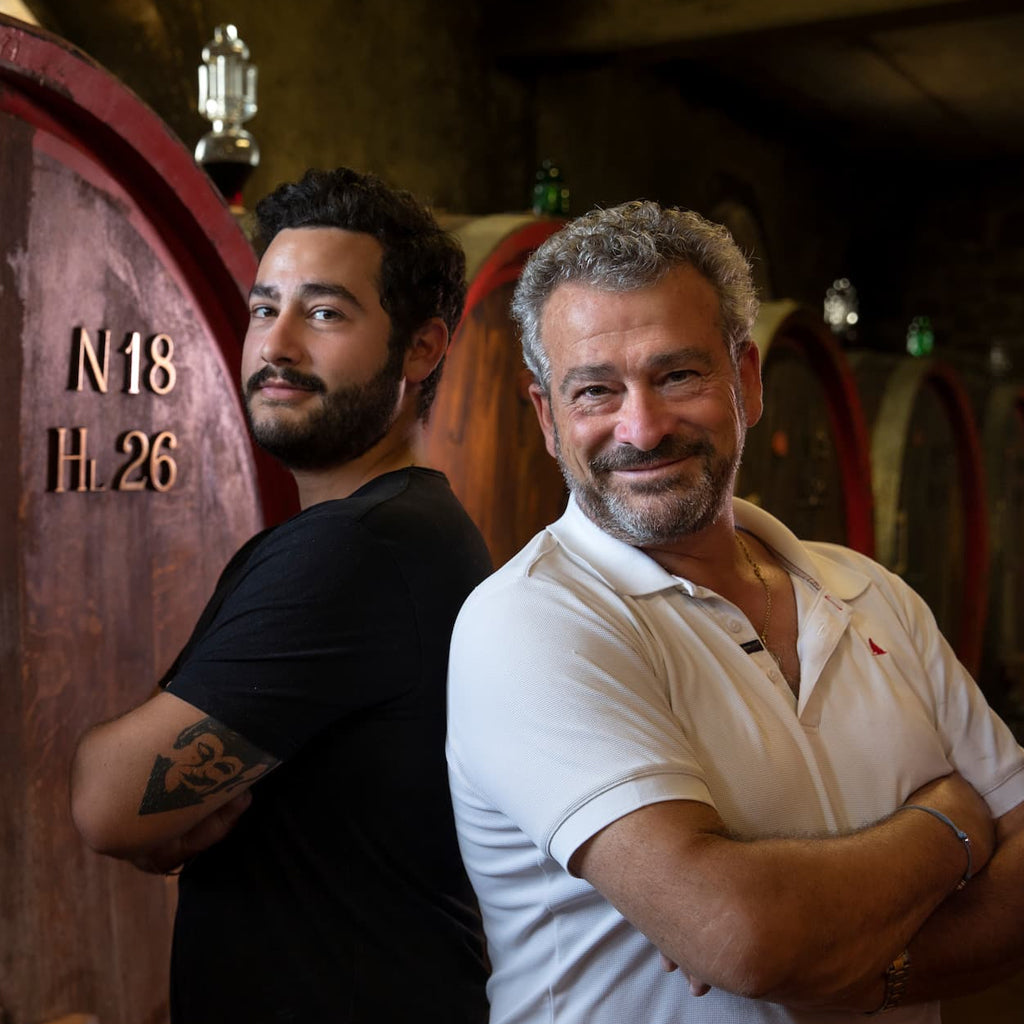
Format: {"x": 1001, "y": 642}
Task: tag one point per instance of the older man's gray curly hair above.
{"x": 629, "y": 247}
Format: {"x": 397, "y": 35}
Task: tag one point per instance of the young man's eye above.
{"x": 261, "y": 312}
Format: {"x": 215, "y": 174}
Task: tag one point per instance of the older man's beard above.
{"x": 657, "y": 511}
{"x": 348, "y": 422}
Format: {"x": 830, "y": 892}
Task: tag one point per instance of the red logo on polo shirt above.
{"x": 875, "y": 649}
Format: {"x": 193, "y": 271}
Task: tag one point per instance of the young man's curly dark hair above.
{"x": 423, "y": 268}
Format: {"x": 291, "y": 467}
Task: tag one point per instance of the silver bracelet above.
{"x": 959, "y": 833}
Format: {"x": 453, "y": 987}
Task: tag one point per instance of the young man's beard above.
{"x": 348, "y": 422}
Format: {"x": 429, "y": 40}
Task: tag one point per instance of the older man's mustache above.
{"x": 628, "y": 457}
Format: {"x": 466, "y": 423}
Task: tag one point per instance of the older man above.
{"x": 675, "y": 729}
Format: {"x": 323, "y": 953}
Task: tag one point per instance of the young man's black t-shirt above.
{"x": 340, "y": 895}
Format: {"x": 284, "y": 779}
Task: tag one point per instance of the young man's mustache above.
{"x": 286, "y": 374}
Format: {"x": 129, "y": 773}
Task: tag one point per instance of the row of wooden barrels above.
{"x": 913, "y": 461}
{"x": 107, "y": 228}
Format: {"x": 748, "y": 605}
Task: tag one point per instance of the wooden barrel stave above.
{"x": 1002, "y": 673}
{"x": 483, "y": 432}
{"x": 930, "y": 508}
{"x": 807, "y": 460}
{"x": 105, "y": 225}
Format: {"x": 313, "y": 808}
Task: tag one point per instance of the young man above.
{"x": 293, "y": 766}
{"x": 674, "y": 727}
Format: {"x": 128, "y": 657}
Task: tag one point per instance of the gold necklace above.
{"x": 767, "y": 592}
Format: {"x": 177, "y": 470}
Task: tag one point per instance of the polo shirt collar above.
{"x": 626, "y": 569}
{"x": 834, "y": 578}
{"x": 629, "y": 571}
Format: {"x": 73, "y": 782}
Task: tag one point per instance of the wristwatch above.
{"x": 895, "y": 982}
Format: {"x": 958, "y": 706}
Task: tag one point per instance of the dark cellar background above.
{"x": 882, "y": 140}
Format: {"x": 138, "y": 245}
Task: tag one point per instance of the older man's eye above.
{"x": 680, "y": 376}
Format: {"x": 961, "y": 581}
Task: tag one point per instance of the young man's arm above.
{"x": 790, "y": 920}
{"x": 171, "y": 855}
{"x": 162, "y": 780}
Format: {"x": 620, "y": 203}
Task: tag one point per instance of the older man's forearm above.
{"x": 976, "y": 937}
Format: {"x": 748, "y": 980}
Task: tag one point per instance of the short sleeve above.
{"x": 977, "y": 742}
{"x": 558, "y": 716}
{"x": 317, "y": 626}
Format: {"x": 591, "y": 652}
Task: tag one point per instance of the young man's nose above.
{"x": 279, "y": 344}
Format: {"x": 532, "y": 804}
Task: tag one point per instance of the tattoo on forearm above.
{"x": 208, "y": 758}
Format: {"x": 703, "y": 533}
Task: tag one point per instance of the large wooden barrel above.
{"x": 483, "y": 432}
{"x": 807, "y": 460}
{"x": 1002, "y": 673}
{"x": 931, "y": 523}
{"x": 126, "y": 481}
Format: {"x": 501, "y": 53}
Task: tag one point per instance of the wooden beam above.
{"x": 543, "y": 28}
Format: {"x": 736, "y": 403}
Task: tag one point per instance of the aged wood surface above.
{"x": 101, "y": 586}
{"x": 931, "y": 521}
{"x": 808, "y": 460}
{"x": 483, "y": 432}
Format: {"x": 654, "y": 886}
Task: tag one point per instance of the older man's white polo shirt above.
{"x": 587, "y": 682}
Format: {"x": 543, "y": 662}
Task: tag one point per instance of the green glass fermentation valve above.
{"x": 920, "y": 337}
{"x": 227, "y": 98}
{"x": 550, "y": 193}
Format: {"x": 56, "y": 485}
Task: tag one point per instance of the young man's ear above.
{"x": 426, "y": 350}
{"x": 542, "y": 406}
